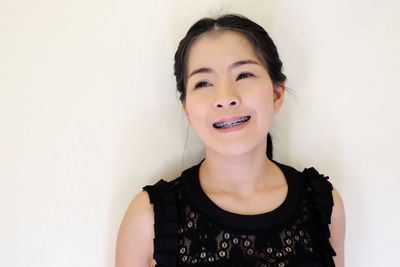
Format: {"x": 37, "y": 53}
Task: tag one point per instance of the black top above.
{"x": 191, "y": 230}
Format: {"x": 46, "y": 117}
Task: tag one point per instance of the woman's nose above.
{"x": 226, "y": 97}
{"x": 222, "y": 105}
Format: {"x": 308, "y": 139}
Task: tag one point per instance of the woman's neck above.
{"x": 241, "y": 175}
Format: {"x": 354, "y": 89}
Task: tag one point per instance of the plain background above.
{"x": 89, "y": 115}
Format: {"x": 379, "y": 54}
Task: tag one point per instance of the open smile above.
{"x": 231, "y": 122}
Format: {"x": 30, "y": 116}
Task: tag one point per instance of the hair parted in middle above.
{"x": 263, "y": 45}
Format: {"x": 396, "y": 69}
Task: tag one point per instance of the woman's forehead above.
{"x": 220, "y": 47}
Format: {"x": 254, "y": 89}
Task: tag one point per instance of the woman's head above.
{"x": 230, "y": 77}
{"x": 254, "y": 33}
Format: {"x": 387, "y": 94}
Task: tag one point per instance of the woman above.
{"x": 237, "y": 207}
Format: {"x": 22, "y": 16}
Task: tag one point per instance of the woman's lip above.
{"x": 231, "y": 123}
{"x": 231, "y": 119}
{"x": 233, "y": 128}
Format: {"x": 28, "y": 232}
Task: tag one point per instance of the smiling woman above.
{"x": 237, "y": 207}
{"x": 235, "y": 87}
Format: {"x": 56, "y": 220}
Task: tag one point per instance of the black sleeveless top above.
{"x": 190, "y": 230}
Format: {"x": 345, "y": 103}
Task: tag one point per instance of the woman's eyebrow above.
{"x": 243, "y": 62}
{"x": 233, "y": 65}
{"x": 200, "y": 70}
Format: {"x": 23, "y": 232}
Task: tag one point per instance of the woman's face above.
{"x": 230, "y": 98}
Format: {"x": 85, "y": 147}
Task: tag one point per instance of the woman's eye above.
{"x": 202, "y": 84}
{"x": 244, "y": 75}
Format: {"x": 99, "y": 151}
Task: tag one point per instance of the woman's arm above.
{"x": 136, "y": 233}
{"x": 338, "y": 228}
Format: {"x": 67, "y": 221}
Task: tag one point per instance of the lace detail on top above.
{"x": 294, "y": 236}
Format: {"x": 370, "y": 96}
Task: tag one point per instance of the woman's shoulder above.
{"x": 163, "y": 196}
{"x": 135, "y": 236}
{"x": 139, "y": 212}
{"x": 330, "y": 207}
{"x": 161, "y": 191}
{"x": 310, "y": 180}
{"x": 317, "y": 181}
{"x": 136, "y": 242}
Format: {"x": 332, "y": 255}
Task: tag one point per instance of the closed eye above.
{"x": 244, "y": 75}
{"x": 202, "y": 84}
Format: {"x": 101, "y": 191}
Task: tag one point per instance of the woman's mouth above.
{"x": 231, "y": 122}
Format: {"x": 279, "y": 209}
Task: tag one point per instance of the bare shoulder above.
{"x": 338, "y": 228}
{"x": 338, "y": 212}
{"x": 136, "y": 233}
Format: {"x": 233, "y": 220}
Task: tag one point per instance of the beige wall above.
{"x": 89, "y": 114}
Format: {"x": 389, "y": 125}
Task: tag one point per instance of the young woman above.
{"x": 237, "y": 207}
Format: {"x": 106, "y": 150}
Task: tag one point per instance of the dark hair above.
{"x": 263, "y": 45}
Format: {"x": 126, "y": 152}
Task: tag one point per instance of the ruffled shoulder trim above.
{"x": 165, "y": 223}
{"x": 321, "y": 191}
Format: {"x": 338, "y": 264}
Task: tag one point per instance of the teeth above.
{"x": 229, "y": 124}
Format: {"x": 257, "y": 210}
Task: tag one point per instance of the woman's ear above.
{"x": 279, "y": 91}
{"x": 183, "y": 102}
